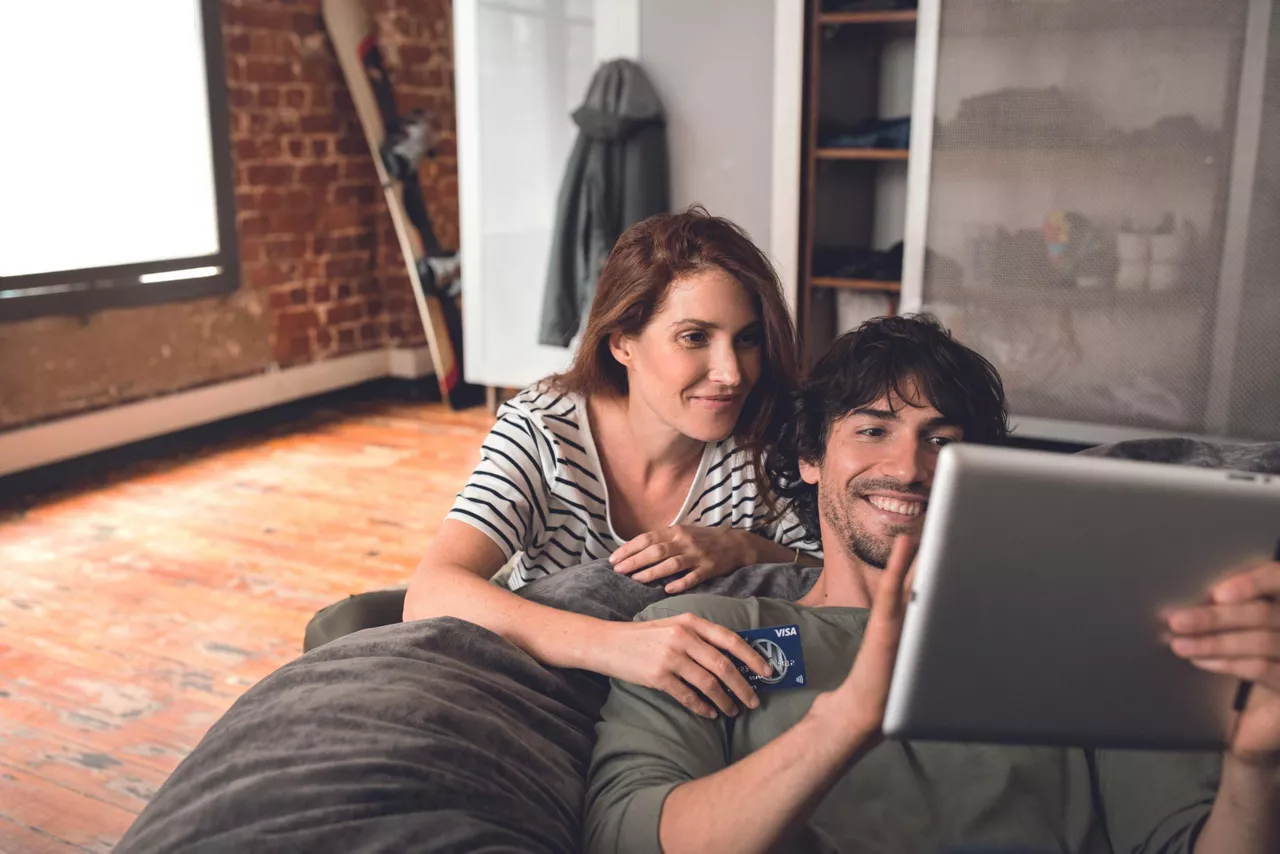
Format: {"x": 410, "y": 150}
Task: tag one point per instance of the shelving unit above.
{"x": 845, "y": 60}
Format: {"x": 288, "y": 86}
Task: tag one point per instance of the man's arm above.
{"x": 655, "y": 771}
{"x": 1246, "y": 813}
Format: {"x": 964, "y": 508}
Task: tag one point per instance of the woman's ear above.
{"x": 810, "y": 472}
{"x": 621, "y": 347}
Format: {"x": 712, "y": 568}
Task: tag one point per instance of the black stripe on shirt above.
{"x": 511, "y": 549}
{"x": 533, "y": 493}
{"x": 566, "y": 482}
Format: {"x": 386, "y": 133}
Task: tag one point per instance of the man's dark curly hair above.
{"x": 865, "y": 365}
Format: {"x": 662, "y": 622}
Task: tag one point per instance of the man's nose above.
{"x": 906, "y": 462}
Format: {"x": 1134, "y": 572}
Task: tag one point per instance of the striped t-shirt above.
{"x": 539, "y": 493}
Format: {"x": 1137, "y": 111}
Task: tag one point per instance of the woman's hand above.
{"x": 706, "y": 552}
{"x": 679, "y": 654}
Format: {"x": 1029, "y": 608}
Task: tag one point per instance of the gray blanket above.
{"x": 438, "y": 735}
{"x": 429, "y": 736}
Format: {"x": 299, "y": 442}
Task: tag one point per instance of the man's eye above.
{"x": 941, "y": 441}
{"x": 871, "y": 432}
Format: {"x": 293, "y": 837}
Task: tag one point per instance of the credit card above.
{"x": 780, "y": 647}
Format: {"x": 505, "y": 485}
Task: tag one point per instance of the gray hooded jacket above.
{"x": 617, "y": 175}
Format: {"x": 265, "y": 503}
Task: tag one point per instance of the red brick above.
{"x": 346, "y": 194}
{"x": 268, "y": 97}
{"x": 295, "y": 320}
{"x": 352, "y": 265}
{"x": 297, "y": 148}
{"x": 371, "y": 332}
{"x": 273, "y": 70}
{"x": 321, "y": 293}
{"x": 346, "y": 312}
{"x": 263, "y": 176}
{"x": 318, "y": 173}
{"x": 295, "y": 98}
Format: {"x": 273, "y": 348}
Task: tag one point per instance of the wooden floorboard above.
{"x": 135, "y": 609}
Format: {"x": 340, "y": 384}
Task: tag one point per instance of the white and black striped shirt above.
{"x": 539, "y": 492}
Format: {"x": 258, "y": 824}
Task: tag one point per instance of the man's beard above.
{"x": 838, "y": 508}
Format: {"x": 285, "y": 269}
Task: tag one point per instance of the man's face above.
{"x": 874, "y": 480}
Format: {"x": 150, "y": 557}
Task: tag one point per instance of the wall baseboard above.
{"x": 76, "y": 435}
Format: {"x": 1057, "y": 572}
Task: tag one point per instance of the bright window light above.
{"x": 107, "y": 158}
{"x": 178, "y": 275}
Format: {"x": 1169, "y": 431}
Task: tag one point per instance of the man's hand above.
{"x": 1238, "y": 633}
{"x": 706, "y": 552}
{"x": 865, "y": 691}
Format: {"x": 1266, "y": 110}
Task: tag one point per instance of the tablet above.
{"x": 1040, "y": 580}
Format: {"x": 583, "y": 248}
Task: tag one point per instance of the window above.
{"x": 115, "y": 172}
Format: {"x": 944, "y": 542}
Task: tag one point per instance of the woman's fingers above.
{"x": 723, "y": 671}
{"x": 686, "y": 696}
{"x": 670, "y": 566}
{"x": 647, "y": 556}
{"x": 701, "y": 678}
{"x": 633, "y": 547}
{"x": 732, "y": 643}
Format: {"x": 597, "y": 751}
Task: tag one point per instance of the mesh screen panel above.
{"x": 1103, "y": 211}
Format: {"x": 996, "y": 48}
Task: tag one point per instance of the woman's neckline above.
{"x": 589, "y": 442}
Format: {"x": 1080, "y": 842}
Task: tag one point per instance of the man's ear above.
{"x": 810, "y": 472}
{"x": 621, "y": 347}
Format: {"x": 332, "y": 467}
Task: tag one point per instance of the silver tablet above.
{"x": 1039, "y": 584}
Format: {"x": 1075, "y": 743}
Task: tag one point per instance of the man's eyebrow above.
{"x": 892, "y": 415}
{"x": 882, "y": 414}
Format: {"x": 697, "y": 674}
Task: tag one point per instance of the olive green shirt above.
{"x": 901, "y": 797}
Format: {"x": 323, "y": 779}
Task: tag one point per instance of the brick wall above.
{"x": 315, "y": 236}
{"x": 322, "y": 271}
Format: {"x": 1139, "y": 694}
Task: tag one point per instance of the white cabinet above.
{"x": 1091, "y": 208}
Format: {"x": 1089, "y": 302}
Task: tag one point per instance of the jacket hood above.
{"x": 620, "y": 100}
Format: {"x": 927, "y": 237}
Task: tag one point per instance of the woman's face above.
{"x": 699, "y": 357}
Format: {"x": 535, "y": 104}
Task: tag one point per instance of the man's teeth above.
{"x": 902, "y": 508}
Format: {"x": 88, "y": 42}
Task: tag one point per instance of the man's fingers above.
{"x": 718, "y": 665}
{"x": 1245, "y": 644}
{"x": 1261, "y": 581}
{"x": 731, "y": 643}
{"x": 1259, "y": 614}
{"x": 1248, "y": 669}
{"x": 891, "y": 590}
{"x": 670, "y": 566}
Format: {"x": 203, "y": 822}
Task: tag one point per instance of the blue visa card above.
{"x": 780, "y": 647}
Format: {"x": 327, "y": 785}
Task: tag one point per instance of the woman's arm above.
{"x": 670, "y": 655}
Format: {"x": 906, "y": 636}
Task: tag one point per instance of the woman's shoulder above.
{"x": 542, "y": 402}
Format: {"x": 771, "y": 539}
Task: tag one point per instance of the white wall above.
{"x": 729, "y": 73}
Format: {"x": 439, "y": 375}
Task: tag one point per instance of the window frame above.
{"x": 84, "y": 291}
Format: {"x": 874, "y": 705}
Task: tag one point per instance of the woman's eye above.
{"x": 694, "y": 339}
{"x": 750, "y": 339}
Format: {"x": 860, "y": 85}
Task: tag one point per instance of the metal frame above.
{"x": 1235, "y": 249}
{"x": 81, "y": 292}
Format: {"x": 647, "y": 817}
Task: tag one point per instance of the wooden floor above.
{"x": 134, "y": 612}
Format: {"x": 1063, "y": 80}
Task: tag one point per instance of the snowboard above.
{"x": 398, "y": 144}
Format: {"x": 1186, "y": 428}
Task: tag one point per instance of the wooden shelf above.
{"x": 892, "y": 16}
{"x": 861, "y": 153}
{"x": 1017, "y": 17}
{"x": 874, "y": 285}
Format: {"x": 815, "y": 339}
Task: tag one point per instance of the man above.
{"x": 808, "y": 770}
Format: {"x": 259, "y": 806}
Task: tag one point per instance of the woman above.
{"x": 647, "y": 451}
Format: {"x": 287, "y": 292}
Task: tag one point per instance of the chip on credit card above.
{"x": 780, "y": 647}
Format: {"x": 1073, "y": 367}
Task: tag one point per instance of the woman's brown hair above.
{"x": 647, "y": 259}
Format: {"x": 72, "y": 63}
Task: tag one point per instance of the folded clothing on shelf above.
{"x": 867, "y": 5}
{"x": 871, "y": 133}
{"x": 849, "y": 262}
